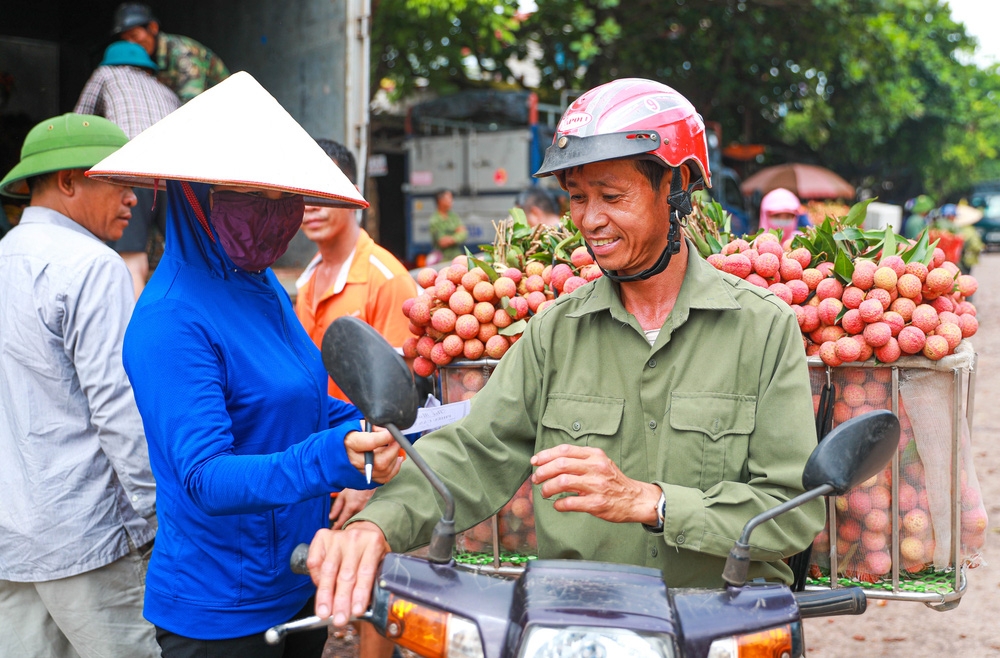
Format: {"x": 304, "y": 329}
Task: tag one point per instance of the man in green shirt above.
{"x": 448, "y": 233}
{"x": 656, "y": 409}
{"x": 185, "y": 65}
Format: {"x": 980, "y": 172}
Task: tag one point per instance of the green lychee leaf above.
{"x": 520, "y": 219}
{"x": 856, "y": 215}
{"x": 889, "y": 242}
{"x": 843, "y": 266}
{"x": 486, "y": 267}
{"x": 505, "y": 305}
{"x": 514, "y": 328}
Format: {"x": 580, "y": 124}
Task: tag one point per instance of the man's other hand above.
{"x": 596, "y": 484}
{"x": 343, "y": 565}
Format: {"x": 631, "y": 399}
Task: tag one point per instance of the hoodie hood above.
{"x": 187, "y": 240}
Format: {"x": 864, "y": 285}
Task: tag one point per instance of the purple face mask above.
{"x": 254, "y": 230}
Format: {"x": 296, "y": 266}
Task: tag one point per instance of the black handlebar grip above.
{"x": 298, "y": 560}
{"x": 827, "y": 603}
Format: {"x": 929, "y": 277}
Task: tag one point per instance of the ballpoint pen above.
{"x": 369, "y": 457}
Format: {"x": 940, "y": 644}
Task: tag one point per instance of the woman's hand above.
{"x": 348, "y": 503}
{"x": 379, "y": 442}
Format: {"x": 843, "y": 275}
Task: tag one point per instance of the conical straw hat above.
{"x": 235, "y": 133}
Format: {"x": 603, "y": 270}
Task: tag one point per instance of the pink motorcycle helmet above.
{"x": 780, "y": 202}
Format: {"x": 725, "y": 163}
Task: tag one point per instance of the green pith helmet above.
{"x": 70, "y": 141}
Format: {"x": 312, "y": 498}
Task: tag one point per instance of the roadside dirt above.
{"x": 904, "y": 629}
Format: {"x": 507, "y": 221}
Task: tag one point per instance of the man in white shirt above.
{"x": 79, "y": 512}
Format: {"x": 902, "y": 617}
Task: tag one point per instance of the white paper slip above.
{"x": 431, "y": 418}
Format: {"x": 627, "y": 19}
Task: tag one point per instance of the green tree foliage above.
{"x": 872, "y": 88}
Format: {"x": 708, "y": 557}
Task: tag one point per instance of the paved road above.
{"x": 902, "y": 629}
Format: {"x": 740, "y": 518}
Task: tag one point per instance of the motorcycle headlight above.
{"x": 780, "y": 642}
{"x": 431, "y": 632}
{"x": 573, "y": 641}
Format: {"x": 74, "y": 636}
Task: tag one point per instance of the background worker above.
{"x": 351, "y": 275}
{"x": 540, "y": 206}
{"x": 448, "y": 233}
{"x": 185, "y": 65}
{"x": 79, "y": 503}
{"x": 124, "y": 90}
{"x": 655, "y": 409}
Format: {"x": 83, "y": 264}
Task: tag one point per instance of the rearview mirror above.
{"x": 852, "y": 452}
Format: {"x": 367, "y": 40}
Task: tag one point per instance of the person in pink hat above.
{"x": 780, "y": 209}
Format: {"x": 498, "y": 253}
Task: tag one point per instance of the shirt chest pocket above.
{"x": 583, "y": 420}
{"x": 711, "y": 438}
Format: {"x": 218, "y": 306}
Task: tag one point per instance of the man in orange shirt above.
{"x": 351, "y": 275}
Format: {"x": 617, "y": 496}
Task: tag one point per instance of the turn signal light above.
{"x": 779, "y": 642}
{"x": 431, "y": 632}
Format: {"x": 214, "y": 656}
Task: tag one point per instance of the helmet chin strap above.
{"x": 680, "y": 207}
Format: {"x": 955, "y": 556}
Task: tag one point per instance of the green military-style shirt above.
{"x": 444, "y": 225}
{"x": 187, "y": 66}
{"x": 718, "y": 413}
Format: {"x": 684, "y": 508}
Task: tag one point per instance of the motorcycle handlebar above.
{"x": 827, "y": 603}
{"x": 298, "y": 559}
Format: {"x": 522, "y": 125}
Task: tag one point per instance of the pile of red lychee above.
{"x": 889, "y": 308}
{"x": 469, "y": 313}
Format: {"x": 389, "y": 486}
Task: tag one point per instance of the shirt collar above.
{"x": 43, "y": 215}
{"x": 703, "y": 288}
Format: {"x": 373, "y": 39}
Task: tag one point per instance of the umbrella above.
{"x": 805, "y": 180}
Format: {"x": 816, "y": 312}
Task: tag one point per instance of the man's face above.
{"x": 102, "y": 208}
{"x": 622, "y": 219}
{"x": 445, "y": 201}
{"x": 327, "y": 225}
{"x": 144, "y": 35}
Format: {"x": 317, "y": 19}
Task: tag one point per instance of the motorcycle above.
{"x": 564, "y": 608}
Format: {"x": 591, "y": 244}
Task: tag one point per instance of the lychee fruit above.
{"x": 911, "y": 339}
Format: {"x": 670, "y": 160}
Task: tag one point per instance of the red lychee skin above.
{"x": 790, "y": 269}
{"x": 908, "y": 286}
{"x": 580, "y": 257}
{"x": 829, "y": 309}
{"x": 474, "y": 349}
{"x": 782, "y": 292}
{"x": 948, "y": 317}
{"x": 560, "y": 272}
{"x": 878, "y": 334}
{"x": 917, "y": 269}
{"x": 767, "y": 265}
{"x": 812, "y": 277}
{"x": 591, "y": 272}
{"x": 943, "y": 305}
{"x": 881, "y": 295}
{"x": 936, "y": 348}
{"x": 878, "y": 563}
{"x": 832, "y": 333}
{"x": 424, "y": 346}
{"x": 911, "y": 340}
{"x": 501, "y": 318}
{"x": 444, "y": 290}
{"x": 737, "y": 265}
{"x": 907, "y": 497}
{"x": 467, "y": 326}
{"x": 496, "y": 347}
{"x": 975, "y": 520}
{"x": 717, "y": 261}
{"x": 940, "y": 280}
{"x": 768, "y": 246}
{"x": 407, "y": 305}
{"x": 483, "y": 311}
{"x": 533, "y": 267}
{"x": 453, "y": 345}
{"x": 896, "y": 263}
{"x": 873, "y": 541}
{"x": 925, "y": 318}
{"x": 439, "y": 356}
{"x": 828, "y": 354}
{"x": 520, "y": 305}
{"x": 871, "y": 310}
{"x": 895, "y": 321}
{"x": 864, "y": 274}
{"x": 866, "y": 350}
{"x": 852, "y": 297}
{"x": 423, "y": 366}
{"x": 802, "y": 256}
{"x": 826, "y": 268}
{"x": 849, "y": 530}
{"x": 484, "y": 292}
{"x": 472, "y": 277}
{"x": 534, "y": 299}
{"x": 486, "y": 331}
{"x": 969, "y": 325}
{"x": 854, "y": 395}
{"x": 810, "y": 321}
{"x": 847, "y": 349}
{"x": 911, "y": 550}
{"x": 877, "y": 520}
{"x": 800, "y": 291}
{"x": 505, "y": 287}
{"x": 420, "y": 313}
{"x": 885, "y": 278}
{"x": 916, "y": 523}
{"x": 904, "y": 307}
{"x": 965, "y": 308}
{"x": 952, "y": 268}
{"x": 462, "y": 302}
{"x": 829, "y": 288}
{"x": 547, "y": 275}
{"x": 967, "y": 285}
{"x": 738, "y": 245}
{"x": 751, "y": 254}
{"x": 852, "y": 322}
{"x": 573, "y": 283}
{"x": 938, "y": 259}
{"x": 443, "y": 319}
{"x": 455, "y": 272}
{"x": 889, "y": 352}
{"x": 426, "y": 277}
{"x": 757, "y": 280}
{"x": 410, "y": 347}
{"x": 513, "y": 274}
{"x": 951, "y": 332}
{"x": 534, "y": 283}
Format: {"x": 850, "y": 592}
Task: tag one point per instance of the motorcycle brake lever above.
{"x": 276, "y": 634}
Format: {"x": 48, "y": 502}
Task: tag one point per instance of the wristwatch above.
{"x": 661, "y": 510}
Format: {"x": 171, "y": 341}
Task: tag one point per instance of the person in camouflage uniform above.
{"x": 185, "y": 65}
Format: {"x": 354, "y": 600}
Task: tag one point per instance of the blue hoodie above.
{"x": 244, "y": 442}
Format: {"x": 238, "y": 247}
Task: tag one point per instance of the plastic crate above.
{"x": 911, "y": 532}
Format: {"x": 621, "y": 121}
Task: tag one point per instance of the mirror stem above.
{"x": 443, "y": 540}
{"x": 738, "y": 562}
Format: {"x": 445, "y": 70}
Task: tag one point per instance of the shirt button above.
{"x": 652, "y": 363}
{"x": 652, "y": 551}
{"x": 652, "y": 424}
{"x": 135, "y": 498}
{"x": 576, "y": 426}
{"x": 680, "y": 539}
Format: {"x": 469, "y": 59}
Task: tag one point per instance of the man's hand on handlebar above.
{"x": 381, "y": 443}
{"x": 343, "y": 565}
{"x": 601, "y": 488}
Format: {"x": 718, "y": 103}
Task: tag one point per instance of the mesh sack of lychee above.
{"x": 515, "y": 524}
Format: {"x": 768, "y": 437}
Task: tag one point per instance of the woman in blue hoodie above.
{"x": 244, "y": 441}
